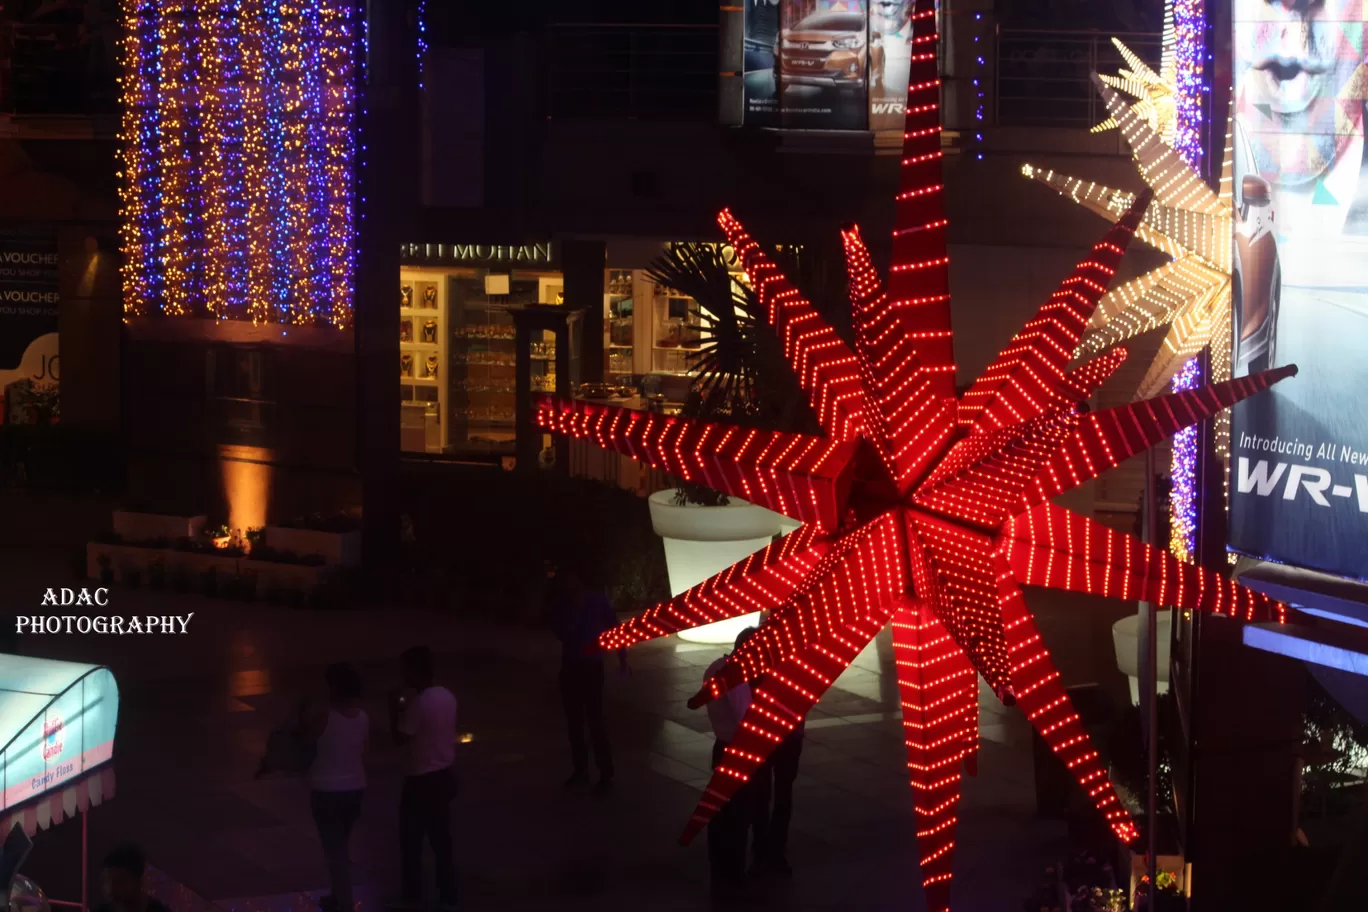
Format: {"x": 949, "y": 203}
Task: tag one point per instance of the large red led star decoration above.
{"x": 920, "y": 510}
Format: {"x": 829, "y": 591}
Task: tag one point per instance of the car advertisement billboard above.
{"x": 827, "y": 64}
{"x": 1299, "y": 452}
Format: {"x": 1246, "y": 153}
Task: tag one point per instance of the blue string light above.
{"x": 979, "y": 90}
{"x": 1183, "y": 497}
{"x": 1189, "y": 27}
{"x": 239, "y": 158}
{"x": 422, "y": 42}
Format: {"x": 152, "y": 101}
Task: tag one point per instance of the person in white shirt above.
{"x": 337, "y": 778}
{"x": 728, "y": 831}
{"x": 424, "y": 721}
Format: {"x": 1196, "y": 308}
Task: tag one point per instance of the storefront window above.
{"x": 457, "y": 359}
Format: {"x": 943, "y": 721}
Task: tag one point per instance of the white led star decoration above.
{"x": 1155, "y": 94}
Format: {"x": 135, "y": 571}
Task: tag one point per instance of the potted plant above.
{"x": 336, "y": 538}
{"x": 739, "y": 378}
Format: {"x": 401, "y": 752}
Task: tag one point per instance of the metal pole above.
{"x": 1151, "y": 683}
{"x": 85, "y": 859}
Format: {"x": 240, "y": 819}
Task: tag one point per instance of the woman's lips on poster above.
{"x": 1289, "y": 84}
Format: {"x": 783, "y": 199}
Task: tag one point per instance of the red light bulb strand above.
{"x": 779, "y": 701}
{"x": 1049, "y": 546}
{"x": 1086, "y": 379}
{"x": 826, "y": 368}
{"x": 986, "y": 492}
{"x": 756, "y": 583}
{"x": 792, "y": 474}
{"x": 911, "y": 422}
{"x": 957, "y": 578}
{"x": 938, "y": 690}
{"x": 1028, "y": 379}
{"x": 1108, "y": 438}
{"x": 865, "y": 569}
{"x": 1042, "y": 699}
{"x": 918, "y": 282}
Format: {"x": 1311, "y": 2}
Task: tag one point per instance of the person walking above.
{"x": 423, "y": 720}
{"x": 776, "y": 781}
{"x": 729, "y": 828}
{"x": 337, "y": 778}
{"x": 578, "y": 616}
{"x": 124, "y": 874}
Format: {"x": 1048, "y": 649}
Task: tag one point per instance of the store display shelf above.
{"x": 426, "y": 346}
{"x": 419, "y": 311}
{"x": 484, "y": 422}
{"x": 614, "y": 345}
{"x": 418, "y": 381}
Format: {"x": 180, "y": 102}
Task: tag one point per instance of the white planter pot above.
{"x": 703, "y": 541}
{"x": 342, "y": 549}
{"x": 136, "y": 527}
{"x": 1126, "y": 642}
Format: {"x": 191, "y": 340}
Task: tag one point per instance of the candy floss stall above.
{"x": 57, "y": 723}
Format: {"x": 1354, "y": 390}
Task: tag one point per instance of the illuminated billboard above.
{"x": 827, "y": 64}
{"x": 1299, "y": 453}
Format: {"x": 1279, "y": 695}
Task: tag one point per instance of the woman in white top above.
{"x": 337, "y": 778}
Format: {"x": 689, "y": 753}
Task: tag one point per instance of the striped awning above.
{"x": 62, "y": 803}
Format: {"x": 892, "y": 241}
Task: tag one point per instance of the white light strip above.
{"x": 1273, "y": 639}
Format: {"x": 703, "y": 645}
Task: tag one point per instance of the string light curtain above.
{"x": 239, "y": 159}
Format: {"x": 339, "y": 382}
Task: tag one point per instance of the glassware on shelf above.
{"x": 487, "y": 331}
{"x": 620, "y": 331}
{"x": 496, "y": 359}
{"x": 542, "y": 350}
{"x": 669, "y": 334}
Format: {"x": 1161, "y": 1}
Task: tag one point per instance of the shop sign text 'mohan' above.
{"x": 483, "y": 254}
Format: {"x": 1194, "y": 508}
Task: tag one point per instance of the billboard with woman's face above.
{"x": 1299, "y": 452}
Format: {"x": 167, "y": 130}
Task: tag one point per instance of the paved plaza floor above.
{"x": 195, "y": 711}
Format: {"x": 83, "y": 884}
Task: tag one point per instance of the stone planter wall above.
{"x": 269, "y": 575}
{"x": 341, "y": 549}
{"x": 133, "y": 526}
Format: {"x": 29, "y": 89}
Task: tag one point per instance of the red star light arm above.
{"x": 1028, "y": 379}
{"x": 1042, "y": 698}
{"x": 914, "y": 422}
{"x": 793, "y": 474}
{"x": 919, "y": 276}
{"x": 779, "y": 702}
{"x": 1106, "y": 439}
{"x": 826, "y": 367}
{"x": 757, "y": 583}
{"x": 1088, "y": 378}
{"x": 987, "y": 491}
{"x": 938, "y": 690}
{"x": 864, "y": 570}
{"x": 1049, "y": 546}
{"x": 952, "y": 567}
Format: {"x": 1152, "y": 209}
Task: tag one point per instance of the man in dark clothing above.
{"x": 578, "y": 616}
{"x": 776, "y": 778}
{"x": 123, "y": 872}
